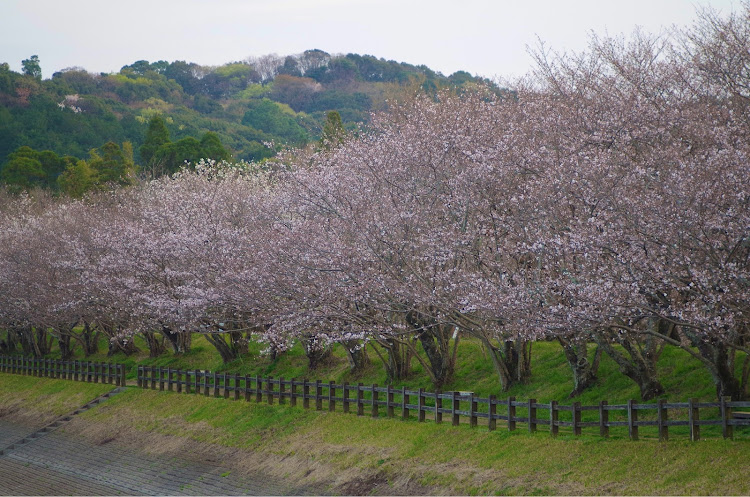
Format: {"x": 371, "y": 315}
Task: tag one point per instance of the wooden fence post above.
{"x": 632, "y": 418}
{"x": 179, "y": 381}
{"x": 661, "y": 420}
{"x": 187, "y": 381}
{"x": 293, "y": 393}
{"x": 345, "y": 396}
{"x": 318, "y": 396}
{"x": 236, "y": 386}
{"x": 472, "y": 411}
{"x": 603, "y": 419}
{"x": 248, "y": 387}
{"x": 511, "y": 414}
{"x": 197, "y": 381}
{"x": 438, "y": 407}
{"x": 258, "y": 389}
{"x": 215, "y": 378}
{"x": 282, "y": 391}
{"x": 269, "y": 393}
{"x": 404, "y": 404}
{"x": 305, "y": 394}
{"x": 139, "y": 376}
{"x": 420, "y": 406}
{"x": 360, "y": 399}
{"x": 532, "y": 415}
{"x": 161, "y": 379}
{"x": 389, "y": 401}
{"x": 693, "y": 415}
{"x": 331, "y": 396}
{"x": 170, "y": 374}
{"x": 492, "y": 412}
{"x": 727, "y": 430}
{"x": 554, "y": 429}
{"x": 374, "y": 406}
{"x": 455, "y": 406}
{"x": 577, "y": 419}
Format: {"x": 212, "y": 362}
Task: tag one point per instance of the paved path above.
{"x": 57, "y": 464}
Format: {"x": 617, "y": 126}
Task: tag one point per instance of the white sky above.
{"x": 484, "y": 37}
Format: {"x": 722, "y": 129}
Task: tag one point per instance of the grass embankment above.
{"x": 389, "y": 455}
{"x": 363, "y": 455}
{"x": 682, "y": 375}
{"x": 44, "y": 398}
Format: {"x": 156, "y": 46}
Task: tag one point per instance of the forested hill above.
{"x": 247, "y": 104}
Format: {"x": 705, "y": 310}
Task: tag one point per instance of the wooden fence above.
{"x": 95, "y": 372}
{"x": 454, "y": 405}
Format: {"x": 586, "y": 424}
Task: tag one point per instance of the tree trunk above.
{"x": 179, "y": 340}
{"x": 317, "y": 353}
{"x": 89, "y": 339}
{"x": 640, "y": 363}
{"x": 230, "y": 344}
{"x": 436, "y": 343}
{"x": 722, "y": 370}
{"x": 397, "y": 360}
{"x": 8, "y": 346}
{"x": 356, "y": 353}
{"x": 66, "y": 347}
{"x": 156, "y": 346}
{"x": 126, "y": 346}
{"x": 511, "y": 361}
{"x": 584, "y": 372}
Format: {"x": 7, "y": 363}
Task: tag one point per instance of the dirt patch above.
{"x": 7, "y": 410}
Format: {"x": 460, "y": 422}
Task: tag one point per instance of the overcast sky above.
{"x": 484, "y": 37}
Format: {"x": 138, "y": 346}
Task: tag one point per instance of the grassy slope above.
{"x": 45, "y": 397}
{"x": 682, "y": 375}
{"x": 447, "y": 459}
{"x": 442, "y": 458}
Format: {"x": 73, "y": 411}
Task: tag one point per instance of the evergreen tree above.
{"x": 333, "y": 131}
{"x": 157, "y": 136}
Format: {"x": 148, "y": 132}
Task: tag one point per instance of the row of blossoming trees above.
{"x": 606, "y": 200}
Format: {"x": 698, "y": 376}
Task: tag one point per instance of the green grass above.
{"x": 46, "y": 396}
{"x": 682, "y": 375}
{"x": 440, "y": 457}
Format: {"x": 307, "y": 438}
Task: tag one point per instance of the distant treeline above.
{"x": 251, "y": 107}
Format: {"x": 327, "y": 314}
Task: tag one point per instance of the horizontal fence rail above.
{"x": 403, "y": 402}
{"x": 91, "y": 372}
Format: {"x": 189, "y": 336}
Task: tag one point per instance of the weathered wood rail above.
{"x": 406, "y": 403}
{"x": 92, "y": 372}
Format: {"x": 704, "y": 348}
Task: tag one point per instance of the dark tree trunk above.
{"x": 640, "y": 362}
{"x": 179, "y": 340}
{"x": 230, "y": 344}
{"x": 722, "y": 370}
{"x": 89, "y": 339}
{"x": 397, "y": 359}
{"x": 66, "y": 346}
{"x": 8, "y": 346}
{"x": 511, "y": 361}
{"x": 35, "y": 342}
{"x": 318, "y": 354}
{"x": 356, "y": 353}
{"x": 436, "y": 343}
{"x": 584, "y": 371}
{"x": 156, "y": 346}
{"x": 126, "y": 346}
